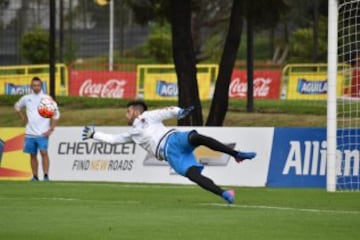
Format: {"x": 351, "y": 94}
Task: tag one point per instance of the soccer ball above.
{"x": 47, "y": 107}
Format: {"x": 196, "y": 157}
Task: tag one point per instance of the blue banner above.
{"x": 21, "y": 89}
{"x": 312, "y": 86}
{"x": 166, "y": 89}
{"x": 348, "y": 154}
{"x": 298, "y": 158}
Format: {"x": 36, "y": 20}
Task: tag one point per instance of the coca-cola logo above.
{"x": 112, "y": 88}
{"x": 261, "y": 87}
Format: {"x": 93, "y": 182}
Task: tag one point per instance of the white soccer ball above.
{"x": 47, "y": 107}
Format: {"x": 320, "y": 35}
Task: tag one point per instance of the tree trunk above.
{"x": 61, "y": 31}
{"x": 219, "y": 104}
{"x": 184, "y": 59}
{"x": 250, "y": 59}
{"x": 315, "y": 30}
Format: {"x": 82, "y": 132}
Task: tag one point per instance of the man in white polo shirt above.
{"x": 38, "y": 129}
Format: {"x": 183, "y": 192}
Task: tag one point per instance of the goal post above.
{"x": 331, "y": 101}
{"x": 343, "y": 112}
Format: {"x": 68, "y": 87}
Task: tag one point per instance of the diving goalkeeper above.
{"x": 175, "y": 147}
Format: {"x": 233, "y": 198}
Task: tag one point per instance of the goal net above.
{"x": 343, "y": 112}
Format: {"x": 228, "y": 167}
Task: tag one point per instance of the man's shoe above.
{"x": 229, "y": 196}
{"x": 46, "y": 178}
{"x": 241, "y": 156}
{"x": 34, "y": 179}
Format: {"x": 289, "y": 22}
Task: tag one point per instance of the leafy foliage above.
{"x": 159, "y": 44}
{"x": 146, "y": 11}
{"x": 35, "y": 46}
{"x": 301, "y": 43}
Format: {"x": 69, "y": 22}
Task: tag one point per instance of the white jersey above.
{"x": 36, "y": 124}
{"x": 148, "y": 130}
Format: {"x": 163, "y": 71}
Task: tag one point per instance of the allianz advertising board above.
{"x": 299, "y": 155}
{"x": 298, "y": 158}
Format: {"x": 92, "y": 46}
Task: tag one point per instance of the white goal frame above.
{"x": 331, "y": 100}
{"x": 343, "y": 111}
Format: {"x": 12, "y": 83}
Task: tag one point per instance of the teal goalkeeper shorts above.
{"x": 179, "y": 153}
{"x": 34, "y": 143}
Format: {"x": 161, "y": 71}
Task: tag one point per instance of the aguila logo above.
{"x": 113, "y": 88}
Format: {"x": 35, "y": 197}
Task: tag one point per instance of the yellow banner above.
{"x": 310, "y": 86}
{"x": 15, "y": 80}
{"x": 159, "y": 81}
{"x": 14, "y": 164}
{"x": 164, "y": 86}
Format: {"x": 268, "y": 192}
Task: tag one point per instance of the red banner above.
{"x": 266, "y": 84}
{"x": 103, "y": 84}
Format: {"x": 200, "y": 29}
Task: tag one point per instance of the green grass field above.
{"x": 79, "y": 111}
{"x": 69, "y": 210}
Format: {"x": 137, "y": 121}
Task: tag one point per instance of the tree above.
{"x": 307, "y": 14}
{"x": 178, "y": 13}
{"x": 159, "y": 43}
{"x": 35, "y": 46}
{"x": 301, "y": 43}
{"x": 260, "y": 14}
{"x": 208, "y": 22}
{"x": 219, "y": 104}
{"x": 184, "y": 59}
{"x": 265, "y": 13}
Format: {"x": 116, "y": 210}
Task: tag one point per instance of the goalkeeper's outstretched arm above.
{"x": 90, "y": 133}
{"x": 112, "y": 138}
{"x": 169, "y": 112}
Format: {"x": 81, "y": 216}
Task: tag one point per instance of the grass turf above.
{"x": 79, "y": 111}
{"x": 78, "y": 210}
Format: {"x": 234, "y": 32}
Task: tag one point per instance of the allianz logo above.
{"x": 309, "y": 158}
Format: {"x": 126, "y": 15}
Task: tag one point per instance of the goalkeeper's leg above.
{"x": 197, "y": 139}
{"x": 194, "y": 175}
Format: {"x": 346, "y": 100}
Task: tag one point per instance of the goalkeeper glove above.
{"x": 184, "y": 112}
{"x": 88, "y": 132}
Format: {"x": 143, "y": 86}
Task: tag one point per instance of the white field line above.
{"x": 135, "y": 185}
{"x": 311, "y": 210}
{"x": 68, "y": 199}
{"x": 150, "y": 185}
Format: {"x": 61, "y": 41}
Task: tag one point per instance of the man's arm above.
{"x": 22, "y": 116}
{"x": 18, "y": 108}
{"x": 112, "y": 138}
{"x": 53, "y": 122}
{"x": 170, "y": 112}
{"x": 90, "y": 133}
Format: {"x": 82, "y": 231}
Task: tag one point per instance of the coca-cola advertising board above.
{"x": 103, "y": 84}
{"x": 266, "y": 84}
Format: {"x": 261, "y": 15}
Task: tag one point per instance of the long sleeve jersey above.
{"x": 147, "y": 130}
{"x": 36, "y": 124}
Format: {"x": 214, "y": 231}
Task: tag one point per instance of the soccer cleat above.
{"x": 46, "y": 178}
{"x": 34, "y": 179}
{"x": 229, "y": 196}
{"x": 241, "y": 156}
